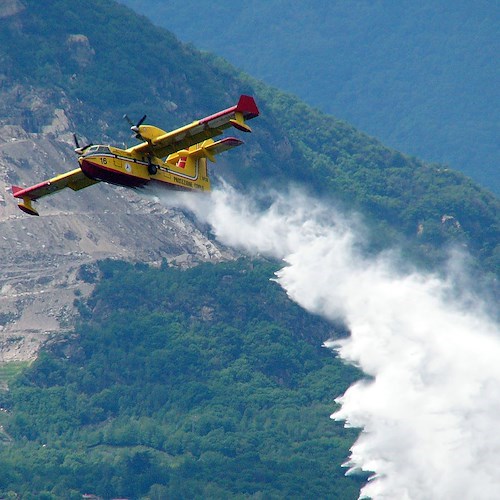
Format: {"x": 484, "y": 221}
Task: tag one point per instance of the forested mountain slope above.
{"x": 75, "y": 62}
{"x": 206, "y": 383}
{"x": 421, "y": 76}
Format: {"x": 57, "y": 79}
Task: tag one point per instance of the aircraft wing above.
{"x": 162, "y": 143}
{"x": 74, "y": 179}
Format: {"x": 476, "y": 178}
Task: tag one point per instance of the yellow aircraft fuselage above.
{"x": 125, "y": 168}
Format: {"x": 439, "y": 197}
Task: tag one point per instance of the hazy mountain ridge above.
{"x": 422, "y": 77}
{"x": 431, "y": 205}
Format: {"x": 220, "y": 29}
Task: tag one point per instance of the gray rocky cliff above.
{"x": 41, "y": 257}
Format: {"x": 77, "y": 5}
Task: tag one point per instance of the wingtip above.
{"x": 240, "y": 125}
{"x": 16, "y": 189}
{"x": 232, "y": 141}
{"x": 247, "y": 106}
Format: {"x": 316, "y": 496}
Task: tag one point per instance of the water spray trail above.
{"x": 429, "y": 411}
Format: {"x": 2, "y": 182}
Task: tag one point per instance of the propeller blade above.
{"x": 79, "y": 150}
{"x": 128, "y": 120}
{"x": 141, "y": 121}
{"x": 135, "y": 127}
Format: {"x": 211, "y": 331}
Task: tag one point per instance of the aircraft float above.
{"x": 175, "y": 160}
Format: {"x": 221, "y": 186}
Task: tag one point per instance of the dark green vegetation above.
{"x": 421, "y": 76}
{"x": 9, "y": 371}
{"x": 207, "y": 383}
{"x": 421, "y": 206}
{"x": 132, "y": 66}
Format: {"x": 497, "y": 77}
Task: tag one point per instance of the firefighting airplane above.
{"x": 185, "y": 151}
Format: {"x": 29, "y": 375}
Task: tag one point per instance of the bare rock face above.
{"x": 80, "y": 50}
{"x": 41, "y": 257}
{"x": 10, "y": 8}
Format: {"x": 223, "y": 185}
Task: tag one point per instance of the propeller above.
{"x": 135, "y": 127}
{"x": 79, "y": 150}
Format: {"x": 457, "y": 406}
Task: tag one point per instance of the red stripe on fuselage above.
{"x": 106, "y": 174}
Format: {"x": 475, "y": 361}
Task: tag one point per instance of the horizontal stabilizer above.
{"x": 224, "y": 145}
{"x": 207, "y": 149}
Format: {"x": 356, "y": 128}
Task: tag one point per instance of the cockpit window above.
{"x": 97, "y": 149}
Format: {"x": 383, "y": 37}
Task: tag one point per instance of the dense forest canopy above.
{"x": 421, "y": 76}
{"x": 206, "y": 383}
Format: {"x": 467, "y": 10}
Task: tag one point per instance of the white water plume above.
{"x": 431, "y": 405}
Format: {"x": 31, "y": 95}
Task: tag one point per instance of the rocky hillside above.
{"x": 42, "y": 256}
